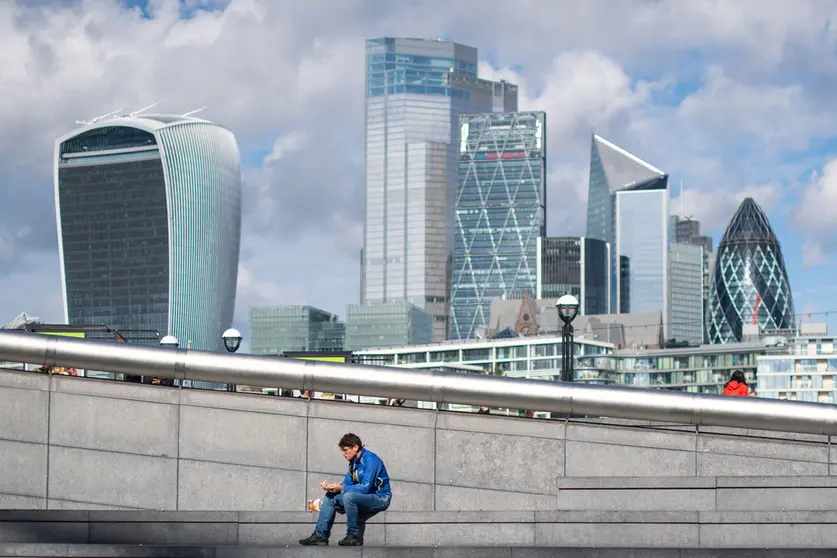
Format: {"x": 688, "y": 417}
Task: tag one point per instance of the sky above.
{"x": 732, "y": 99}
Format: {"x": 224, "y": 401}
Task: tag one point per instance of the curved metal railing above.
{"x": 422, "y": 385}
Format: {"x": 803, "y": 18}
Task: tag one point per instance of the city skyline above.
{"x": 691, "y": 107}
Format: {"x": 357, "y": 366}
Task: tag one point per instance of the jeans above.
{"x": 357, "y": 507}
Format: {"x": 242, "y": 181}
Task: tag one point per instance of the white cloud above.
{"x": 581, "y": 91}
{"x": 32, "y": 286}
{"x": 814, "y": 215}
{"x": 775, "y": 116}
{"x": 813, "y": 255}
{"x": 819, "y": 198}
{"x": 253, "y": 291}
{"x": 285, "y": 145}
{"x": 714, "y": 208}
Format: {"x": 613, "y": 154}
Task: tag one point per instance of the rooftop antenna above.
{"x": 191, "y": 112}
{"x": 96, "y": 119}
{"x": 143, "y": 109}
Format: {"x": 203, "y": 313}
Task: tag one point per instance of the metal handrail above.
{"x": 422, "y": 385}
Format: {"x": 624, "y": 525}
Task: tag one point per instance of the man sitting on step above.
{"x": 365, "y": 492}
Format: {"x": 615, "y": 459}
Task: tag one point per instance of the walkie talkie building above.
{"x": 149, "y": 226}
{"x": 750, "y": 284}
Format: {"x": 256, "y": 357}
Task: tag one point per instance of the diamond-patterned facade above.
{"x": 750, "y": 284}
{"x": 500, "y": 213}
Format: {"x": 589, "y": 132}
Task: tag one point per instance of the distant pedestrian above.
{"x": 365, "y": 492}
{"x": 737, "y": 385}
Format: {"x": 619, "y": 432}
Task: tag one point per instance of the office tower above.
{"x": 274, "y": 330}
{"x": 750, "y": 284}
{"x": 624, "y": 305}
{"x": 627, "y": 206}
{"x": 500, "y": 213}
{"x": 686, "y": 275}
{"x": 578, "y": 266}
{"x": 416, "y": 91}
{"x": 686, "y": 230}
{"x": 641, "y": 233}
{"x": 387, "y": 324}
{"x": 149, "y": 224}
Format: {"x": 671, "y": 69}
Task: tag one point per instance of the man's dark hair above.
{"x": 349, "y": 441}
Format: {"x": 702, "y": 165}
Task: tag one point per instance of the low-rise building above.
{"x": 387, "y": 324}
{"x": 274, "y": 330}
{"x": 807, "y": 372}
{"x": 703, "y": 369}
{"x": 523, "y": 357}
{"x": 527, "y": 316}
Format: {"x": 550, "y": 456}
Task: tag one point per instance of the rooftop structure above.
{"x": 528, "y": 316}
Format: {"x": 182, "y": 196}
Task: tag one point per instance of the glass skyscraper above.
{"x": 750, "y": 284}
{"x": 627, "y": 206}
{"x": 624, "y": 305}
{"x": 578, "y": 266}
{"x": 500, "y": 214}
{"x": 387, "y": 324}
{"x": 149, "y": 225}
{"x": 416, "y": 91}
{"x": 641, "y": 233}
{"x": 686, "y": 230}
{"x": 686, "y": 276}
{"x": 274, "y": 330}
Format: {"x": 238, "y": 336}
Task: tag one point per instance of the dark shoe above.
{"x": 314, "y": 540}
{"x": 351, "y": 540}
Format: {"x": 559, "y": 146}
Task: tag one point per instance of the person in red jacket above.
{"x": 737, "y": 385}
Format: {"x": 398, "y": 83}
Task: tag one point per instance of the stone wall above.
{"x": 74, "y": 443}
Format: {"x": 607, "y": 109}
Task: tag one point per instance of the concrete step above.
{"x": 577, "y": 529}
{"x": 697, "y": 493}
{"x": 230, "y": 551}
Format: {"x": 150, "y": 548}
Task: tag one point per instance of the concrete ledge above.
{"x": 630, "y": 483}
{"x": 644, "y": 517}
{"x": 47, "y": 517}
{"x": 776, "y": 482}
{"x": 69, "y": 533}
{"x": 291, "y": 517}
{"x": 208, "y": 551}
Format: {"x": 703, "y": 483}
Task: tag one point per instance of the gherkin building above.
{"x": 750, "y": 284}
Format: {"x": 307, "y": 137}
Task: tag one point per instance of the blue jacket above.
{"x": 367, "y": 475}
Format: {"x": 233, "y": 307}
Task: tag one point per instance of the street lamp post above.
{"x": 169, "y": 341}
{"x": 232, "y": 341}
{"x": 567, "y": 307}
